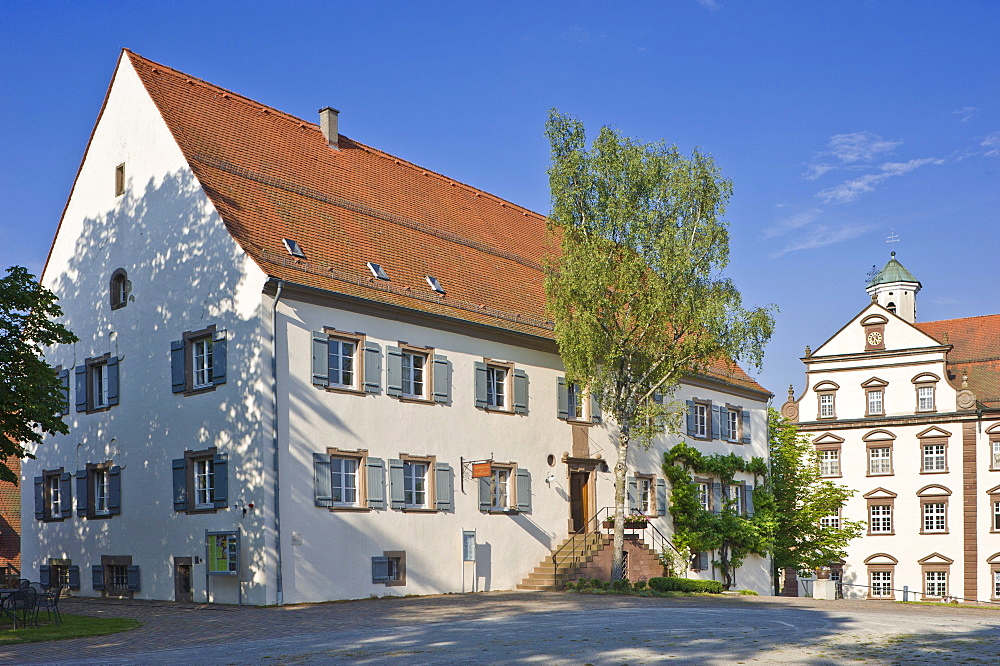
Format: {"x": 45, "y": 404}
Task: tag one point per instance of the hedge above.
{"x": 685, "y": 585}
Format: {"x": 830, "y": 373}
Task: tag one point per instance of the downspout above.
{"x": 279, "y": 589}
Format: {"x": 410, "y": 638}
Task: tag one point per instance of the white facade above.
{"x": 125, "y": 500}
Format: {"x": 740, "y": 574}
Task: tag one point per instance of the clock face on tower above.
{"x": 874, "y": 339}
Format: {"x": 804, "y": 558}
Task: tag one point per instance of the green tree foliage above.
{"x": 801, "y": 499}
{"x": 31, "y": 398}
{"x": 635, "y": 289}
{"x": 730, "y": 532}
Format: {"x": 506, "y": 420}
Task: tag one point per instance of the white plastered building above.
{"x": 293, "y": 347}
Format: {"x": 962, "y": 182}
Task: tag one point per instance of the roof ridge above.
{"x": 939, "y": 321}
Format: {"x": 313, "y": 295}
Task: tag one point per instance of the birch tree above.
{"x": 636, "y": 290}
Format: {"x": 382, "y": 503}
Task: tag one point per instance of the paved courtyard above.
{"x": 533, "y": 628}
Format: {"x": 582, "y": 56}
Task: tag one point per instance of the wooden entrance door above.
{"x": 182, "y": 579}
{"x": 579, "y": 499}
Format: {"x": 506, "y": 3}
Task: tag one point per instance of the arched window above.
{"x": 119, "y": 289}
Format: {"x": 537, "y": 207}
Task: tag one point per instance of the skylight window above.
{"x": 435, "y": 285}
{"x": 377, "y": 271}
{"x": 293, "y": 248}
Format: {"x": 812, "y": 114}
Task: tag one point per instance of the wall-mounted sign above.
{"x": 469, "y": 545}
{"x": 223, "y": 553}
{"x": 482, "y": 469}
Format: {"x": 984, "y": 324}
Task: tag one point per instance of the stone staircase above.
{"x": 590, "y": 556}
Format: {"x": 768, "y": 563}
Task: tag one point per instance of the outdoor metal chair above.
{"x": 50, "y": 602}
{"x": 7, "y": 609}
{"x": 24, "y": 582}
{"x": 24, "y": 604}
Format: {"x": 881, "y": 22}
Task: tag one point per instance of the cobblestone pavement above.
{"x": 536, "y": 627}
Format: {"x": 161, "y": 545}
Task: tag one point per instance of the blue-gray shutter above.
{"x": 375, "y": 476}
{"x": 97, "y": 576}
{"x": 321, "y": 358}
{"x": 523, "y": 485}
{"x": 113, "y": 380}
{"x": 132, "y": 573}
{"x": 115, "y": 490}
{"x": 690, "y": 417}
{"x": 219, "y": 357}
{"x": 724, "y": 434}
{"x": 66, "y": 495}
{"x": 703, "y": 560}
{"x": 595, "y": 409}
{"x": 562, "y": 398}
{"x": 485, "y": 499}
{"x": 393, "y": 371}
{"x": 748, "y": 499}
{"x": 220, "y": 472}
{"x": 397, "y": 499}
{"x": 715, "y": 422}
{"x": 480, "y": 384}
{"x": 39, "y": 498}
{"x": 380, "y": 569}
{"x": 82, "y": 494}
{"x": 661, "y": 497}
{"x": 81, "y": 388}
{"x": 746, "y": 427}
{"x": 441, "y": 379}
{"x": 322, "y": 480}
{"x": 373, "y": 367}
{"x": 44, "y": 576}
{"x": 178, "y": 378}
{"x": 520, "y": 392}
{"x": 716, "y": 497}
{"x": 179, "y": 466}
{"x": 64, "y": 385}
{"x": 632, "y": 493}
{"x": 442, "y": 486}
{"x": 74, "y": 577}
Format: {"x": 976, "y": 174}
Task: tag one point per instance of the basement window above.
{"x": 120, "y": 179}
{"x": 293, "y": 248}
{"x": 377, "y": 271}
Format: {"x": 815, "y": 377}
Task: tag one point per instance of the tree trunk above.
{"x": 727, "y": 572}
{"x": 621, "y": 466}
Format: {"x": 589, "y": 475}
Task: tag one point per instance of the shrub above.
{"x": 621, "y": 585}
{"x": 748, "y": 593}
{"x": 685, "y": 585}
{"x": 640, "y": 585}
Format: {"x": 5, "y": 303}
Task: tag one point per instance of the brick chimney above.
{"x": 328, "y": 123}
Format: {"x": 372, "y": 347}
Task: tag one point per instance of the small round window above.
{"x": 119, "y": 289}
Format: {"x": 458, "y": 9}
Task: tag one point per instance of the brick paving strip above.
{"x": 175, "y": 626}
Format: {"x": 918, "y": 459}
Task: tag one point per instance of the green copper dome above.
{"x": 893, "y": 271}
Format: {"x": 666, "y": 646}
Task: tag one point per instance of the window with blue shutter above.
{"x": 44, "y": 578}
{"x": 715, "y": 422}
{"x": 112, "y": 380}
{"x": 66, "y": 492}
{"x": 661, "y": 497}
{"x": 716, "y": 497}
{"x": 746, "y": 427}
{"x": 320, "y": 359}
{"x": 724, "y": 433}
{"x": 562, "y": 398}
{"x": 748, "y": 498}
{"x": 97, "y": 576}
{"x": 220, "y": 470}
{"x": 74, "y": 577}
{"x": 179, "y": 466}
{"x": 219, "y": 357}
{"x": 522, "y": 484}
{"x": 115, "y": 490}
{"x": 64, "y": 387}
{"x": 595, "y": 409}
{"x": 480, "y": 384}
{"x": 380, "y": 569}
{"x": 132, "y": 572}
{"x": 397, "y": 497}
{"x": 39, "y": 498}
{"x": 393, "y": 371}
{"x": 441, "y": 380}
{"x": 485, "y": 496}
{"x": 520, "y": 380}
{"x": 178, "y": 376}
{"x": 198, "y": 361}
{"x": 373, "y": 367}
{"x": 689, "y": 417}
{"x": 201, "y": 481}
{"x": 322, "y": 484}
{"x": 632, "y": 493}
{"x": 81, "y": 387}
{"x": 442, "y": 486}
{"x": 375, "y": 470}
{"x": 82, "y": 493}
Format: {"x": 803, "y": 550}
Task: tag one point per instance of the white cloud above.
{"x": 817, "y": 170}
{"x": 713, "y": 5}
{"x": 796, "y": 221}
{"x": 966, "y": 113}
{"x": 992, "y": 145}
{"x": 821, "y": 236}
{"x": 849, "y": 190}
{"x": 859, "y": 146}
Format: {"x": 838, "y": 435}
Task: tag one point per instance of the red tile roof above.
{"x": 975, "y": 351}
{"x": 272, "y": 176}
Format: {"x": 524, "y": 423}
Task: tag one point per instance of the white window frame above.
{"x": 996, "y": 514}
{"x": 414, "y": 374}
{"x": 938, "y": 457}
{"x": 101, "y": 478}
{"x": 881, "y": 584}
{"x": 345, "y": 373}
{"x": 496, "y": 386}
{"x": 574, "y": 401}
{"x": 926, "y": 398}
{"x": 875, "y": 401}
{"x": 99, "y": 384}
{"x": 995, "y": 450}
{"x": 826, "y": 406}
{"x": 501, "y": 488}
{"x": 829, "y": 462}
{"x": 832, "y": 521}
{"x": 996, "y": 584}
{"x": 204, "y": 482}
{"x": 645, "y": 495}
{"x": 201, "y": 363}
{"x": 880, "y": 518}
{"x": 415, "y": 484}
{"x": 736, "y": 493}
{"x": 704, "y": 495}
{"x": 934, "y": 516}
{"x": 880, "y": 464}
{"x": 701, "y": 424}
{"x": 344, "y": 480}
{"x": 54, "y": 503}
{"x": 734, "y": 421}
{"x": 935, "y": 584}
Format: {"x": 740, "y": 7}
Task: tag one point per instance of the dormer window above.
{"x": 293, "y": 248}
{"x": 435, "y": 285}
{"x": 119, "y": 289}
{"x": 377, "y": 271}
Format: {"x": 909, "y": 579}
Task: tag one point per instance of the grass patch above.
{"x": 980, "y": 606}
{"x": 72, "y": 626}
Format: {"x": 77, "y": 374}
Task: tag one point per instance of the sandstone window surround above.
{"x": 994, "y": 512}
{"x": 881, "y": 575}
{"x": 994, "y": 562}
{"x": 878, "y": 447}
{"x": 935, "y": 571}
{"x": 934, "y": 509}
{"x": 826, "y": 399}
{"x": 875, "y": 392}
{"x": 828, "y": 450}
{"x": 881, "y": 509}
{"x": 933, "y": 450}
{"x": 925, "y": 391}
{"x": 417, "y": 374}
{"x": 575, "y": 404}
{"x": 346, "y": 362}
{"x": 994, "y": 443}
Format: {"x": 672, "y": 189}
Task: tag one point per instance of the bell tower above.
{"x": 895, "y": 289}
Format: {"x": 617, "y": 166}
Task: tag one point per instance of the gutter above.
{"x": 279, "y": 587}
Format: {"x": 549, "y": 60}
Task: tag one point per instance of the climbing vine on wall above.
{"x": 729, "y": 530}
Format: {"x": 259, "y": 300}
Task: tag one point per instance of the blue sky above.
{"x": 838, "y": 122}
